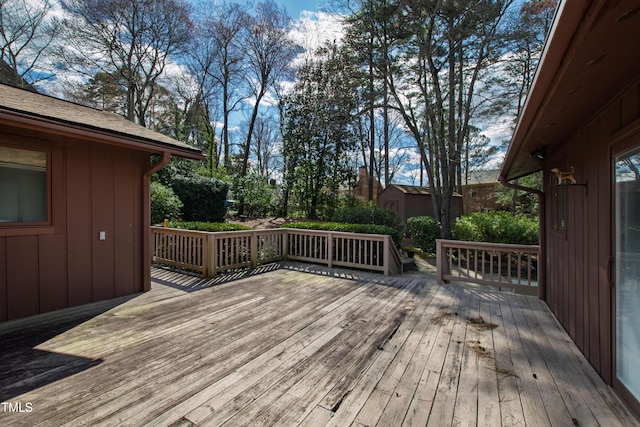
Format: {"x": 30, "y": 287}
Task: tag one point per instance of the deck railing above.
{"x": 211, "y": 253}
{"x": 502, "y": 265}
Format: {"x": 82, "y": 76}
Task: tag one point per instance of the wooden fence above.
{"x": 211, "y": 253}
{"x": 502, "y": 265}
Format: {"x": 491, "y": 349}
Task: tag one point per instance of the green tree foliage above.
{"x": 369, "y": 215}
{"x": 164, "y": 204}
{"x": 424, "y": 230}
{"x": 520, "y": 202}
{"x": 203, "y": 197}
{"x": 443, "y": 50}
{"x": 257, "y": 193}
{"x": 320, "y": 117}
{"x": 497, "y": 227}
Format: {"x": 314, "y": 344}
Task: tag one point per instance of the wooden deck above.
{"x": 291, "y": 347}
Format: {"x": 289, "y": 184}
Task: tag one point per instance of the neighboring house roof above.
{"x": 590, "y": 56}
{"x": 414, "y": 189}
{"x": 65, "y": 117}
{"x": 483, "y": 177}
{"x": 411, "y": 189}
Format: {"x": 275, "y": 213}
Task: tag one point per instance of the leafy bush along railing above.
{"x": 211, "y": 253}
{"x": 503, "y": 265}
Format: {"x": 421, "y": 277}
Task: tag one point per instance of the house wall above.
{"x": 94, "y": 187}
{"x": 361, "y": 191}
{"x": 485, "y": 198}
{"x": 578, "y": 288}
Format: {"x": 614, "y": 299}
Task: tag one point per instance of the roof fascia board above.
{"x": 75, "y": 131}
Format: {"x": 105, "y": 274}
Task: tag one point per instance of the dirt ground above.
{"x": 263, "y": 223}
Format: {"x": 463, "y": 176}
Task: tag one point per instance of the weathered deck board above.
{"x": 292, "y": 347}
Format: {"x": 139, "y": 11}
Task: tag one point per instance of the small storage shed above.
{"x": 410, "y": 200}
{"x": 74, "y": 203}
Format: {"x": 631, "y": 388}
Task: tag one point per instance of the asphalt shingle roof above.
{"x": 49, "y": 109}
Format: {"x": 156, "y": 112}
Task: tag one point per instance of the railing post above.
{"x": 254, "y": 249}
{"x": 330, "y": 249}
{"x": 439, "y": 262}
{"x": 205, "y": 256}
{"x": 211, "y": 263}
{"x": 387, "y": 255}
{"x": 285, "y": 244}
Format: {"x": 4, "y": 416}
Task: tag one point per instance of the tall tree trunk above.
{"x": 372, "y": 121}
{"x": 225, "y": 129}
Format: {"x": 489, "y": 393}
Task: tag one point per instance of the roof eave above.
{"x": 87, "y": 132}
{"x": 569, "y": 17}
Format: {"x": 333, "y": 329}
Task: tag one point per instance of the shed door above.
{"x": 394, "y": 205}
{"x": 627, "y": 271}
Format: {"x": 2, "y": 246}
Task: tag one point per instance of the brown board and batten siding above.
{"x": 98, "y": 168}
{"x": 98, "y": 189}
{"x": 583, "y": 113}
{"x": 578, "y": 276}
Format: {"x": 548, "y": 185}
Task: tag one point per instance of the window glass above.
{"x": 23, "y": 185}
{"x": 627, "y": 220}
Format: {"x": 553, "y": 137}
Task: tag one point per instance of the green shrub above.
{"x": 369, "y": 215}
{"x": 465, "y": 228}
{"x": 497, "y": 227}
{"x": 207, "y": 226}
{"x": 424, "y": 230}
{"x": 164, "y": 204}
{"x": 350, "y": 228}
{"x": 203, "y": 197}
{"x": 257, "y": 193}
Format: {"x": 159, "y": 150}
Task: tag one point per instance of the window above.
{"x": 474, "y": 192}
{"x": 23, "y": 186}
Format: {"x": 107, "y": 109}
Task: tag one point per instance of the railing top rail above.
{"x": 217, "y": 233}
{"x": 241, "y": 232}
{"x": 276, "y": 231}
{"x": 379, "y": 237}
{"x": 463, "y": 244}
{"x": 179, "y": 231}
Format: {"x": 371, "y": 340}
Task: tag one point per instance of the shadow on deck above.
{"x": 286, "y": 347}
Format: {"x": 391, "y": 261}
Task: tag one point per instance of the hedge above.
{"x": 207, "y": 226}
{"x": 369, "y": 215}
{"x": 497, "y": 227}
{"x": 424, "y": 230}
{"x": 203, "y": 197}
{"x": 350, "y": 228}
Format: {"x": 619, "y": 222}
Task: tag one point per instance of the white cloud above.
{"x": 312, "y": 29}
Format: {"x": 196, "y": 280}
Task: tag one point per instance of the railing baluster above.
{"x": 519, "y": 268}
{"x": 227, "y": 250}
{"x": 483, "y": 263}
